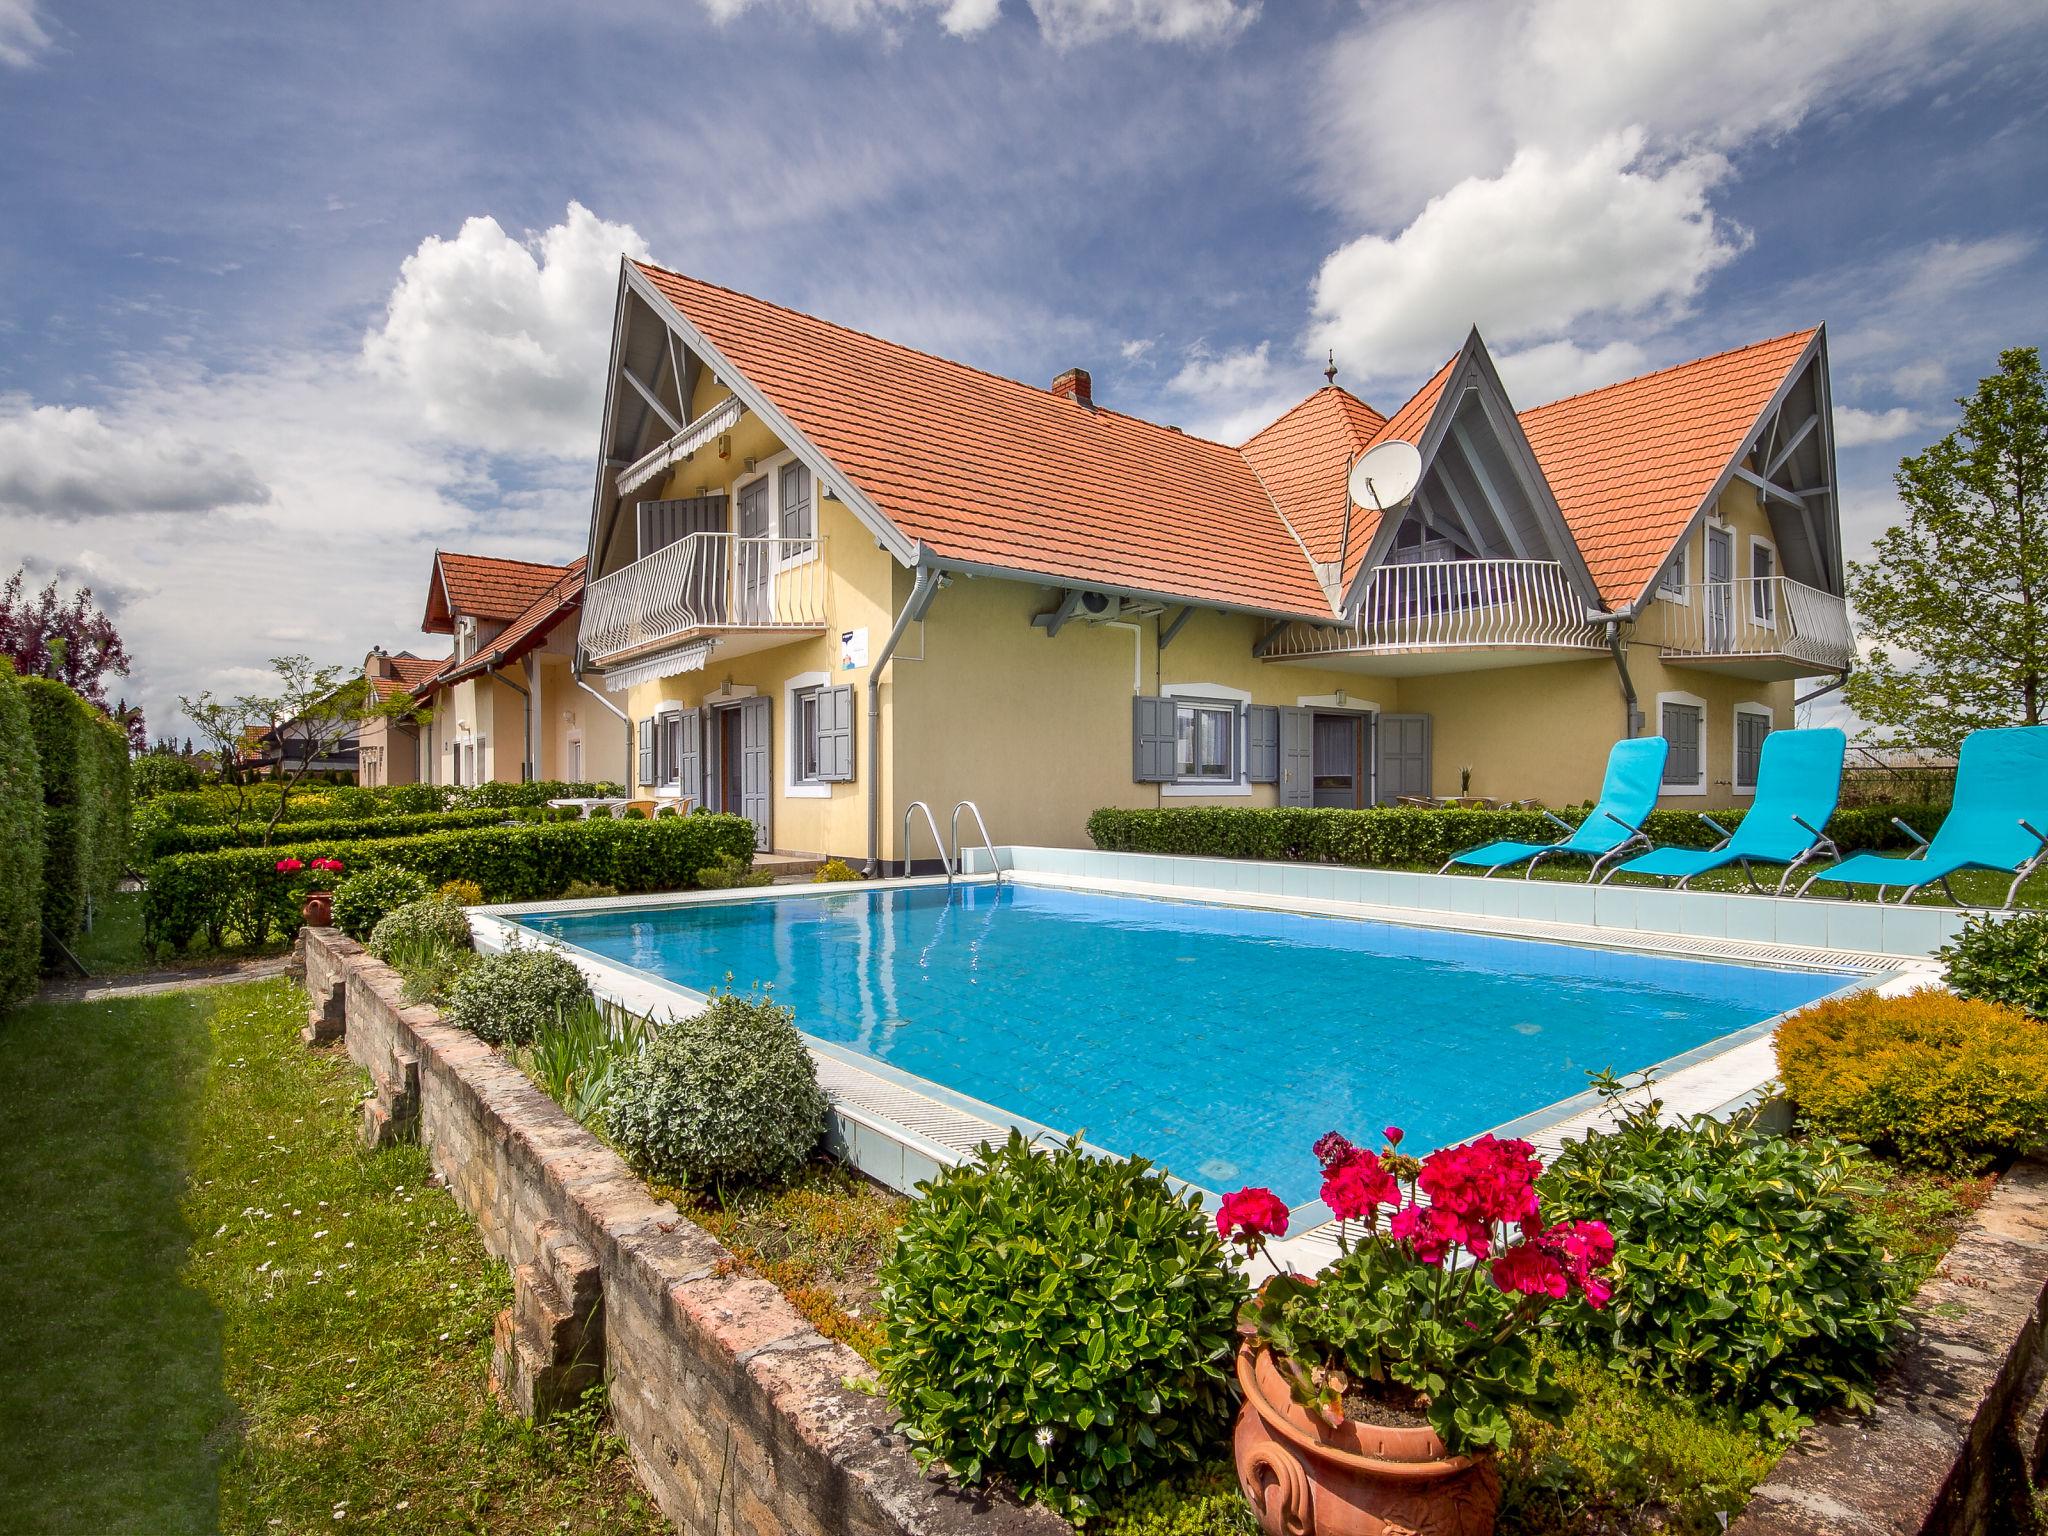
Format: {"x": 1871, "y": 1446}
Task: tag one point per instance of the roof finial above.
{"x": 1330, "y": 373}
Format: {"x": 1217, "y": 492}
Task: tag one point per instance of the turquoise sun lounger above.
{"x": 1996, "y": 821}
{"x": 1612, "y": 829}
{"x": 1798, "y": 778}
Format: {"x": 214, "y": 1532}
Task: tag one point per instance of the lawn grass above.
{"x": 222, "y": 1315}
{"x": 114, "y": 945}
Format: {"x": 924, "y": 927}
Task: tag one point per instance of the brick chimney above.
{"x": 1075, "y": 385}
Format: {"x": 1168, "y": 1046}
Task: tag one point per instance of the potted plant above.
{"x": 316, "y": 906}
{"x": 1376, "y": 1394}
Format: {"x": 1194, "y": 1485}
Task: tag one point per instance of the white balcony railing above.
{"x": 708, "y": 581}
{"x": 1761, "y": 616}
{"x": 1455, "y": 605}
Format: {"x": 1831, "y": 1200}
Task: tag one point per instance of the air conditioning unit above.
{"x": 1100, "y": 605}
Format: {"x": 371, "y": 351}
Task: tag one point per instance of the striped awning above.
{"x": 722, "y": 417}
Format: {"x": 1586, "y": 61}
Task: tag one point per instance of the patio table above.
{"x": 589, "y": 805}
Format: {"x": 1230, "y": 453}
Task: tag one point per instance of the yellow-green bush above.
{"x": 1934, "y": 1080}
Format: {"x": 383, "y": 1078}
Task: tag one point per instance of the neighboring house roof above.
{"x": 530, "y": 627}
{"x": 1631, "y": 464}
{"x": 408, "y": 672}
{"x": 987, "y": 471}
{"x": 483, "y": 586}
{"x": 1304, "y": 459}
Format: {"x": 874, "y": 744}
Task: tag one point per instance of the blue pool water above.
{"x": 1217, "y": 1041}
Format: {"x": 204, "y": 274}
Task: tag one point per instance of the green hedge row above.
{"x": 1393, "y": 837}
{"x": 21, "y": 844}
{"x": 163, "y": 841}
{"x": 237, "y": 894}
{"x": 84, "y": 758}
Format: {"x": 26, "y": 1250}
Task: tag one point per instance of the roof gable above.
{"x": 1304, "y": 461}
{"x": 527, "y": 630}
{"x": 485, "y": 587}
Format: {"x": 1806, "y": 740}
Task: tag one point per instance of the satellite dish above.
{"x": 1386, "y": 475}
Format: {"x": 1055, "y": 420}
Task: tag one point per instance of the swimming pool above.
{"x": 1219, "y": 1041}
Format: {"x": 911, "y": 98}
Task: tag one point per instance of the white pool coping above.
{"x": 900, "y": 1129}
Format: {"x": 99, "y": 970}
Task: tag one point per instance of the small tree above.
{"x": 1957, "y": 597}
{"x": 223, "y": 725}
{"x": 66, "y": 639}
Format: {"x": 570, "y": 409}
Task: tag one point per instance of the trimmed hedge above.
{"x": 238, "y": 893}
{"x": 1391, "y": 837}
{"x": 21, "y": 844}
{"x": 84, "y": 758}
{"x": 162, "y": 842}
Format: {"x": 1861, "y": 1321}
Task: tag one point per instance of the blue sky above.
{"x": 291, "y": 294}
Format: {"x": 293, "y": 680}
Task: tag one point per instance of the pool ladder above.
{"x": 949, "y": 863}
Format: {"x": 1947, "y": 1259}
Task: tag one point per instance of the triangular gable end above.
{"x": 1482, "y": 491}
{"x": 440, "y": 616}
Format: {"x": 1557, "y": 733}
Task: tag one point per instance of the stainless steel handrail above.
{"x": 933, "y": 822}
{"x": 986, "y": 841}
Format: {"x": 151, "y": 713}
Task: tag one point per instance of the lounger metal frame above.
{"x": 1627, "y": 845}
{"x": 2026, "y": 868}
{"x": 1821, "y": 841}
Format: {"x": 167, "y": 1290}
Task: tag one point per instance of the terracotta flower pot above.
{"x": 318, "y": 909}
{"x": 1305, "y": 1478}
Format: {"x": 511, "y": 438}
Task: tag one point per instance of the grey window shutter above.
{"x": 1750, "y": 731}
{"x": 756, "y": 779}
{"x": 1152, "y": 756}
{"x": 647, "y": 752}
{"x": 1297, "y": 757}
{"x": 1401, "y": 757}
{"x": 1262, "y": 744}
{"x": 716, "y": 723}
{"x": 835, "y": 734}
{"x": 1682, "y": 731}
{"x": 689, "y": 750}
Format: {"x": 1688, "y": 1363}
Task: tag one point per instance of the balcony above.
{"x": 720, "y": 589}
{"x": 1768, "y": 628}
{"x": 1451, "y": 616}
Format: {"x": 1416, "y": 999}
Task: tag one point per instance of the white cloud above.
{"x": 1067, "y": 23}
{"x": 1236, "y": 393}
{"x": 1548, "y": 243}
{"x": 1553, "y": 369}
{"x": 501, "y": 343}
{"x": 66, "y": 462}
{"x": 1946, "y": 265}
{"x": 1854, "y": 428}
{"x": 1918, "y": 377}
{"x": 22, "y": 36}
{"x": 962, "y": 18}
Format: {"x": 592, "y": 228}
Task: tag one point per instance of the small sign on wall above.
{"x": 853, "y": 649}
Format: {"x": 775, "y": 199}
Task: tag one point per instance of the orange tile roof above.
{"x": 408, "y": 672}
{"x": 486, "y": 586}
{"x": 1304, "y": 459}
{"x": 529, "y": 628}
{"x": 989, "y": 471}
{"x": 1407, "y": 424}
{"x": 1630, "y": 464}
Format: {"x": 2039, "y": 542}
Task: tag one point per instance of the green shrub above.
{"x": 1747, "y": 1270}
{"x": 538, "y": 792}
{"x": 413, "y": 799}
{"x": 161, "y": 841}
{"x": 727, "y": 1096}
{"x": 362, "y": 900}
{"x": 158, "y": 773}
{"x": 2002, "y": 960}
{"x": 430, "y": 970}
{"x": 433, "y": 921}
{"x": 217, "y": 893}
{"x": 578, "y": 1059}
{"x": 1059, "y": 1320}
{"x": 21, "y": 845}
{"x": 1936, "y": 1081}
{"x": 728, "y": 870}
{"x": 510, "y": 998}
{"x": 587, "y": 890}
{"x": 1387, "y": 837}
{"x": 834, "y": 871}
{"x": 1204, "y": 1503}
{"x": 84, "y": 760}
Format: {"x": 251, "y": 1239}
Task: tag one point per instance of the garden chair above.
{"x": 1995, "y": 822}
{"x": 1798, "y": 780}
{"x": 1612, "y": 829}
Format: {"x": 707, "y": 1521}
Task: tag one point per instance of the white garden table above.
{"x": 589, "y": 805}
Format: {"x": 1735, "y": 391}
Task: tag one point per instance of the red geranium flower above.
{"x": 1356, "y": 1188}
{"x": 1579, "y": 1248}
{"x": 289, "y": 866}
{"x": 1250, "y": 1216}
{"x": 1483, "y": 1183}
{"x": 1393, "y": 1133}
{"x": 1527, "y": 1269}
{"x": 328, "y": 864}
{"x": 1331, "y": 1149}
{"x": 1431, "y": 1232}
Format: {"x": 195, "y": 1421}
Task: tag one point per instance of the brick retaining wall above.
{"x": 735, "y": 1408}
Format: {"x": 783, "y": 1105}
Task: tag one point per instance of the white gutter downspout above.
{"x": 624, "y": 719}
{"x": 914, "y": 606}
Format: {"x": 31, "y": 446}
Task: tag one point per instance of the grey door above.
{"x": 757, "y": 797}
{"x": 754, "y": 556}
{"x": 1297, "y": 757}
{"x": 1402, "y": 743}
{"x": 1720, "y": 590}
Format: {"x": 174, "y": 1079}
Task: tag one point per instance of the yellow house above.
{"x": 831, "y": 576}
{"x": 508, "y": 704}
{"x": 388, "y": 750}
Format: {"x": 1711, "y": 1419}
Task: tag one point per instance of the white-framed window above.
{"x": 1763, "y": 590}
{"x": 668, "y": 748}
{"x": 1753, "y": 722}
{"x": 465, "y": 638}
{"x": 1208, "y": 739}
{"x": 1674, "y": 585}
{"x": 1682, "y": 721}
{"x": 802, "y": 765}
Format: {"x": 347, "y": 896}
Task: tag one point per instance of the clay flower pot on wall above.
{"x": 1306, "y": 1478}
{"x": 318, "y": 909}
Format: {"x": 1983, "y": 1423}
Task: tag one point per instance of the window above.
{"x": 1763, "y": 591}
{"x": 1683, "y": 721}
{"x": 808, "y": 767}
{"x": 1205, "y": 736}
{"x": 668, "y": 750}
{"x": 796, "y": 515}
{"x": 465, "y": 639}
{"x": 1673, "y": 584}
{"x": 1752, "y": 724}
